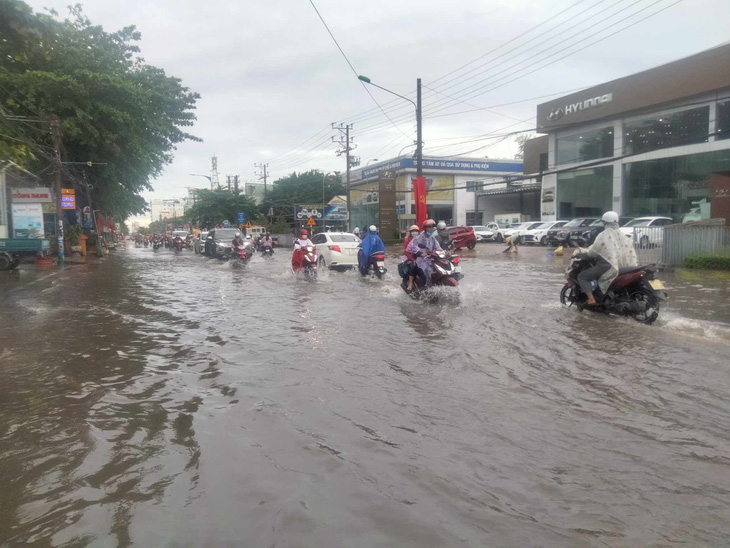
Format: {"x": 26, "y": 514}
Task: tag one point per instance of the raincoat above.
{"x": 424, "y": 243}
{"x": 296, "y": 258}
{"x": 370, "y": 244}
{"x": 616, "y": 248}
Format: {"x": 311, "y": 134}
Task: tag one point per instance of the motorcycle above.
{"x": 178, "y": 243}
{"x": 156, "y": 244}
{"x": 267, "y": 252}
{"x": 446, "y": 273}
{"x": 635, "y": 292}
{"x": 146, "y": 242}
{"x": 241, "y": 255}
{"x": 309, "y": 262}
{"x": 375, "y": 263}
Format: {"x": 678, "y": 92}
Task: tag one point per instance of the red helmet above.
{"x": 304, "y": 232}
{"x": 428, "y": 222}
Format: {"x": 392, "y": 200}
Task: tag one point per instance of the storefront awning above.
{"x": 511, "y": 189}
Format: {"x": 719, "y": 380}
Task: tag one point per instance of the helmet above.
{"x": 413, "y": 227}
{"x": 610, "y": 217}
{"x": 248, "y": 236}
{"x": 304, "y": 232}
{"x": 429, "y": 222}
{"x": 441, "y": 225}
{"x": 373, "y": 228}
{"x": 237, "y": 234}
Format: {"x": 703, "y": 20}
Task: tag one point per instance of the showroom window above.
{"x": 473, "y": 186}
{"x": 585, "y": 192}
{"x": 723, "y": 120}
{"x": 474, "y": 218}
{"x": 670, "y": 187}
{"x": 589, "y": 145}
{"x": 687, "y": 127}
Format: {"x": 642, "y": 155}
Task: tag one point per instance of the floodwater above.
{"x": 155, "y": 399}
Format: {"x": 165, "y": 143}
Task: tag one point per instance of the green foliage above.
{"x": 72, "y": 233}
{"x": 301, "y": 188}
{"x": 114, "y": 109}
{"x": 212, "y": 207}
{"x": 709, "y": 262}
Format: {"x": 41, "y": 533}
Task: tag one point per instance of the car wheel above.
{"x": 500, "y": 238}
{"x": 5, "y": 262}
{"x": 543, "y": 240}
{"x": 644, "y": 242}
{"x": 471, "y": 245}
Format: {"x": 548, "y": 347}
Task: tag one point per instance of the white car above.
{"x": 199, "y": 242}
{"x": 522, "y": 227}
{"x": 647, "y": 231}
{"x": 336, "y": 249}
{"x": 488, "y": 233}
{"x": 539, "y": 233}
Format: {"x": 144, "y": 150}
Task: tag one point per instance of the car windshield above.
{"x": 522, "y": 225}
{"x": 479, "y": 227}
{"x": 638, "y": 222}
{"x": 575, "y": 222}
{"x": 181, "y": 233}
{"x": 534, "y": 226}
{"x": 225, "y": 234}
{"x": 597, "y": 222}
{"x": 543, "y": 226}
{"x": 344, "y": 238}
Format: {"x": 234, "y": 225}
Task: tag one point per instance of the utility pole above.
{"x": 214, "y": 184}
{"x": 228, "y": 180}
{"x": 56, "y": 133}
{"x": 419, "y": 131}
{"x": 263, "y": 175}
{"x": 350, "y": 161}
{"x": 235, "y": 184}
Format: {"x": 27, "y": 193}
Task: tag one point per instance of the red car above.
{"x": 463, "y": 236}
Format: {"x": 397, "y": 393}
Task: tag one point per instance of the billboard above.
{"x": 27, "y": 221}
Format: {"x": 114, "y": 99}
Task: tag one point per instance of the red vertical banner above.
{"x": 419, "y": 192}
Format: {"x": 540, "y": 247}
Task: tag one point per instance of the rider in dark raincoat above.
{"x": 370, "y": 244}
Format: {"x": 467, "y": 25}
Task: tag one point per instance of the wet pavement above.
{"x": 162, "y": 399}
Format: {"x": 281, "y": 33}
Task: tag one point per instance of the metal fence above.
{"x": 682, "y": 241}
{"x": 671, "y": 245}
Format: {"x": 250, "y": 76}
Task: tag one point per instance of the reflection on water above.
{"x": 162, "y": 399}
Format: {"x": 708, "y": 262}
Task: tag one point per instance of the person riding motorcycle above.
{"x": 299, "y": 243}
{"x": 266, "y": 241}
{"x": 611, "y": 250}
{"x": 443, "y": 237}
{"x": 422, "y": 246}
{"x": 370, "y": 244}
{"x": 410, "y": 266}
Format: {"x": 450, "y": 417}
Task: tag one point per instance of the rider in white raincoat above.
{"x": 612, "y": 250}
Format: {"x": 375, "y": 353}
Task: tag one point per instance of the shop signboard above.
{"x": 68, "y": 198}
{"x": 388, "y": 217}
{"x": 336, "y": 212}
{"x": 31, "y": 195}
{"x": 307, "y": 211}
{"x": 27, "y": 221}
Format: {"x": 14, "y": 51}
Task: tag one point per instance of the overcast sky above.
{"x": 272, "y": 80}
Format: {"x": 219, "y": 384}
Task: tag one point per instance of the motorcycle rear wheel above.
{"x": 652, "y": 312}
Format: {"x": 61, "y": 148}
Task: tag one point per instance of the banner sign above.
{"x": 241, "y": 217}
{"x": 336, "y": 212}
{"x": 31, "y": 195}
{"x": 27, "y": 221}
{"x": 419, "y": 189}
{"x": 68, "y": 198}
{"x": 302, "y": 212}
{"x": 388, "y": 217}
{"x": 443, "y": 164}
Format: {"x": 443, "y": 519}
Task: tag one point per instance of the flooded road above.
{"x": 154, "y": 399}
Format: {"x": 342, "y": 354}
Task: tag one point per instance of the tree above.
{"x": 521, "y": 140}
{"x": 212, "y": 207}
{"x": 115, "y": 110}
{"x": 301, "y": 188}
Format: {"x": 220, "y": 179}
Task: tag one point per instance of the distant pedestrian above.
{"x": 356, "y": 231}
{"x": 512, "y": 242}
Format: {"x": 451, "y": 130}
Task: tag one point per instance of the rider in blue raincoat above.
{"x": 370, "y": 244}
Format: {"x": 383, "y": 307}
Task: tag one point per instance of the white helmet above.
{"x": 610, "y": 217}
{"x": 248, "y": 236}
{"x": 373, "y": 228}
{"x": 441, "y": 225}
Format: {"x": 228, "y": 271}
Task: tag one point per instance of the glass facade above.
{"x": 669, "y": 186}
{"x": 667, "y": 130}
{"x": 585, "y": 192}
{"x": 589, "y": 145}
{"x": 723, "y": 121}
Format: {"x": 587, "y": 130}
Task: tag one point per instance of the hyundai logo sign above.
{"x": 573, "y": 108}
{"x": 556, "y": 114}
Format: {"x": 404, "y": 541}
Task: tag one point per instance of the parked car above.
{"x": 586, "y": 236}
{"x": 647, "y": 231}
{"x": 526, "y": 235}
{"x": 539, "y": 233}
{"x": 199, "y": 242}
{"x": 522, "y": 227}
{"x": 562, "y": 235}
{"x": 490, "y": 232}
{"x": 219, "y": 241}
{"x": 462, "y": 236}
{"x": 336, "y": 249}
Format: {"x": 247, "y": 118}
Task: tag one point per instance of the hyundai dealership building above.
{"x": 654, "y": 143}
